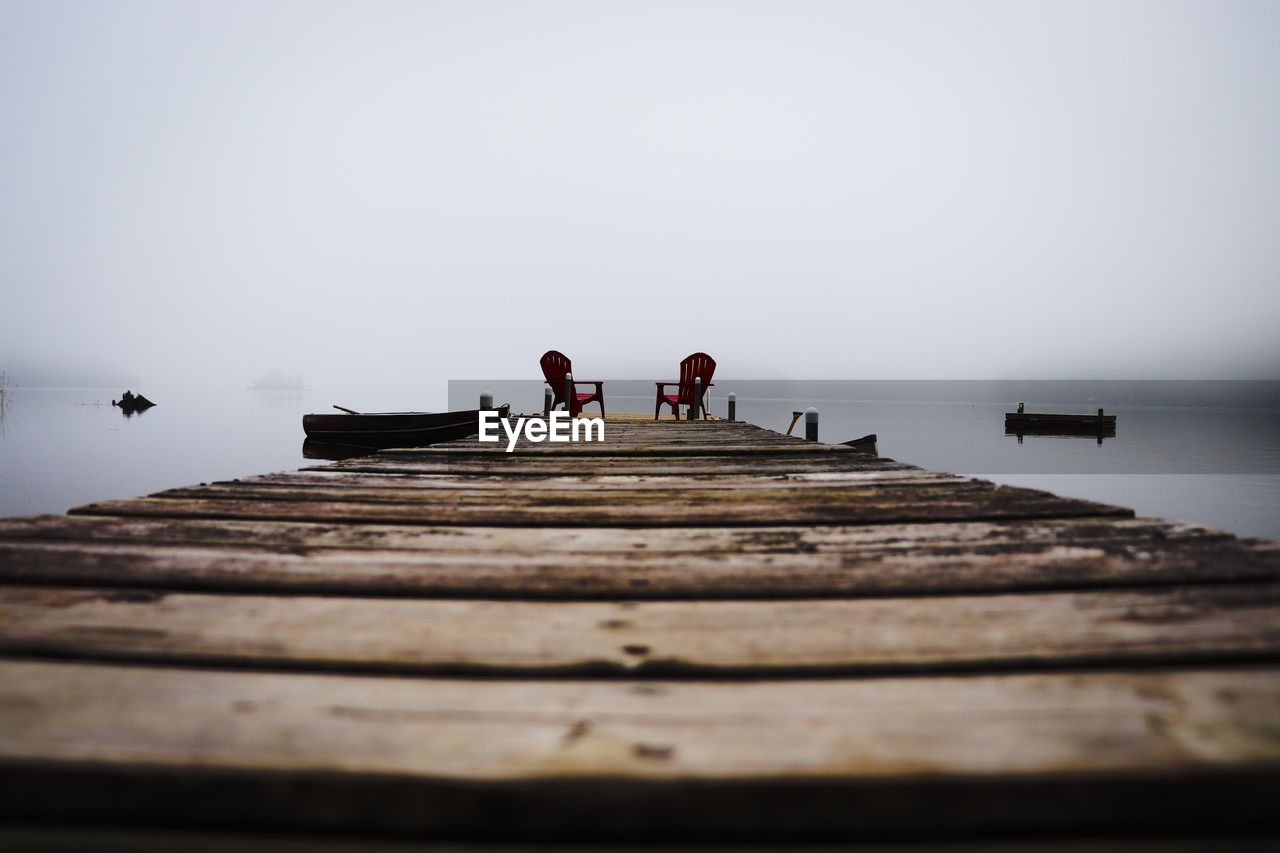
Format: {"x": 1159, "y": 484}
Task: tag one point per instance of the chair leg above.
{"x": 602, "y": 406}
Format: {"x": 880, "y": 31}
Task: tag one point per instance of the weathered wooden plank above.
{"x": 693, "y": 448}
{"x": 546, "y": 562}
{"x": 972, "y": 500}
{"x": 1178, "y": 625}
{"x": 760, "y": 760}
{"x": 586, "y": 482}
{"x": 410, "y": 488}
{"x": 150, "y": 838}
{"x": 521, "y": 465}
{"x": 632, "y": 446}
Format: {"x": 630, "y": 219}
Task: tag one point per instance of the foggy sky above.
{"x": 394, "y": 194}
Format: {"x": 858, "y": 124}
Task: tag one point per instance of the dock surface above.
{"x": 692, "y": 631}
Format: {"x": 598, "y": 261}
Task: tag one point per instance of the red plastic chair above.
{"x": 697, "y": 366}
{"x": 555, "y": 366}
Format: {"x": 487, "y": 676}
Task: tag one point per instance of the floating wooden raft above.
{"x": 1031, "y": 422}
{"x": 696, "y": 631}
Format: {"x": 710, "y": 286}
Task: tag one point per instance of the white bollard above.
{"x": 697, "y": 398}
{"x": 547, "y": 397}
{"x": 811, "y": 424}
{"x": 733, "y": 406}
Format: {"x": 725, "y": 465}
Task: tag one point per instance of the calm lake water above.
{"x": 1219, "y": 465}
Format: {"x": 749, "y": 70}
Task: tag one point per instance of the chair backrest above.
{"x": 554, "y": 367}
{"x": 696, "y": 366}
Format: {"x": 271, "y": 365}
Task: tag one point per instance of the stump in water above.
{"x": 131, "y": 403}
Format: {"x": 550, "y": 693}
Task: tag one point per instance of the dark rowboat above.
{"x": 866, "y": 444}
{"x": 393, "y": 429}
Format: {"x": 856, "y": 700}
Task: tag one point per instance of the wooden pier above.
{"x": 693, "y": 632}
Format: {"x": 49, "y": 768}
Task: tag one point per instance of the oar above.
{"x": 345, "y": 409}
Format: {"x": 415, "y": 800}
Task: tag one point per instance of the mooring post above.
{"x": 811, "y": 424}
{"x": 733, "y": 406}
{"x": 547, "y": 397}
{"x": 486, "y": 400}
{"x": 1099, "y": 412}
{"x": 568, "y": 393}
{"x": 697, "y": 398}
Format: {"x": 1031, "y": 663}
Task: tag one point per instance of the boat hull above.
{"x": 393, "y": 429}
{"x": 866, "y": 444}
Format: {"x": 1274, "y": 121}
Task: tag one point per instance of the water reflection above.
{"x": 1099, "y": 435}
{"x": 332, "y": 452}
